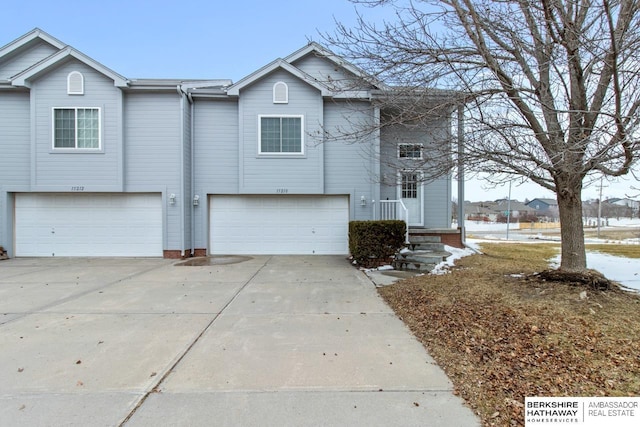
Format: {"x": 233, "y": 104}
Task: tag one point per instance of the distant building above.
{"x": 491, "y": 211}
{"x": 545, "y": 207}
{"x": 632, "y": 205}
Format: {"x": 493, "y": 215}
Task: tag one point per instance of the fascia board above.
{"x": 22, "y": 78}
{"x": 25, "y": 39}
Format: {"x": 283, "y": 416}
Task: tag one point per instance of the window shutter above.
{"x": 75, "y": 83}
{"x": 280, "y": 93}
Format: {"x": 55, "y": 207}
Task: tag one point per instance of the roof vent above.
{"x": 280, "y": 93}
{"x": 75, "y": 83}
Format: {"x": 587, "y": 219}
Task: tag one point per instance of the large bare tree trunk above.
{"x": 573, "y": 257}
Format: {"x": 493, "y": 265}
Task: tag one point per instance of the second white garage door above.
{"x": 59, "y": 224}
{"x": 279, "y": 225}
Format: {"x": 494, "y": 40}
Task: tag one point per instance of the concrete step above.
{"x": 423, "y": 239}
{"x": 404, "y": 265}
{"x": 422, "y": 260}
{"x": 423, "y": 256}
{"x": 436, "y": 247}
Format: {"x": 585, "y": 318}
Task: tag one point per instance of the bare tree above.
{"x": 550, "y": 88}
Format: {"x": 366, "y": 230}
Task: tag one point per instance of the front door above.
{"x": 410, "y": 192}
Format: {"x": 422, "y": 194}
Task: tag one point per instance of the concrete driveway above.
{"x": 266, "y": 341}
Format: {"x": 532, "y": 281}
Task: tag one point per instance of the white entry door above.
{"x": 411, "y": 193}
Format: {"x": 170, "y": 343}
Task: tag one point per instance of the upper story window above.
{"x": 281, "y": 135}
{"x": 280, "y": 93}
{"x": 410, "y": 151}
{"x": 75, "y": 83}
{"x": 76, "y": 128}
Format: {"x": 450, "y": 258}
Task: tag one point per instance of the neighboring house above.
{"x": 543, "y": 205}
{"x": 633, "y": 205}
{"x": 95, "y": 164}
{"x": 492, "y": 210}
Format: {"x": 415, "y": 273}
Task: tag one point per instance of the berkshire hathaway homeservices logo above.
{"x": 582, "y": 411}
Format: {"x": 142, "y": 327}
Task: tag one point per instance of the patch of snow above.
{"x": 456, "y": 253}
{"x": 625, "y": 271}
{"x": 385, "y": 267}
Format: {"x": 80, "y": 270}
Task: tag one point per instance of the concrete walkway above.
{"x": 267, "y": 341}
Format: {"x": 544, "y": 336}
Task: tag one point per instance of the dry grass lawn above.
{"x": 501, "y": 335}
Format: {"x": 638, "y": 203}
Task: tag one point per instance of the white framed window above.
{"x": 280, "y": 134}
{"x": 76, "y": 128}
{"x": 410, "y": 185}
{"x": 75, "y": 83}
{"x": 410, "y": 151}
{"x": 280, "y": 93}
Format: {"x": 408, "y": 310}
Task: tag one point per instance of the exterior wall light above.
{"x": 196, "y": 200}
{"x": 172, "y": 199}
{"x": 363, "y": 201}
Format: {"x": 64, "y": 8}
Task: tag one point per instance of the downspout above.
{"x": 181, "y": 93}
{"x": 193, "y": 174}
{"x": 461, "y": 174}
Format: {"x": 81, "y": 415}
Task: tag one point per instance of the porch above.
{"x": 397, "y": 210}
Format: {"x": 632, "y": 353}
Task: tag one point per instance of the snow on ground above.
{"x": 456, "y": 254}
{"x": 478, "y": 226}
{"x": 625, "y": 271}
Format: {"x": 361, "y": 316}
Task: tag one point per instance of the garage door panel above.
{"x": 88, "y": 225}
{"x": 279, "y": 224}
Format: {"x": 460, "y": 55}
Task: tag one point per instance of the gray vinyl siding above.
{"x": 57, "y": 171}
{"x": 15, "y": 141}
{"x": 270, "y": 174}
{"x": 14, "y": 158}
{"x": 215, "y": 145}
{"x": 437, "y": 213}
{"x": 327, "y": 72}
{"x": 152, "y": 129}
{"x": 350, "y": 163}
{"x": 437, "y": 193}
{"x": 24, "y": 59}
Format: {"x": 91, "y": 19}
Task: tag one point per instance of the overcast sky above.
{"x": 210, "y": 39}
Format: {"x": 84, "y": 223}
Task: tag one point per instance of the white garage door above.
{"x": 279, "y": 225}
{"x": 88, "y": 224}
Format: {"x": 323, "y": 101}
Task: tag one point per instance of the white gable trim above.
{"x": 234, "y": 90}
{"x": 23, "y": 78}
{"x": 25, "y": 39}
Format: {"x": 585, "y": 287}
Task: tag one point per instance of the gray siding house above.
{"x": 95, "y": 164}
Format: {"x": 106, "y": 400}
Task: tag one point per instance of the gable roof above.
{"x": 321, "y": 51}
{"x": 234, "y": 90}
{"x": 549, "y": 202}
{"x": 22, "y": 79}
{"x": 24, "y": 40}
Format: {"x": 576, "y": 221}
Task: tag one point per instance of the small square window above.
{"x": 410, "y": 151}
